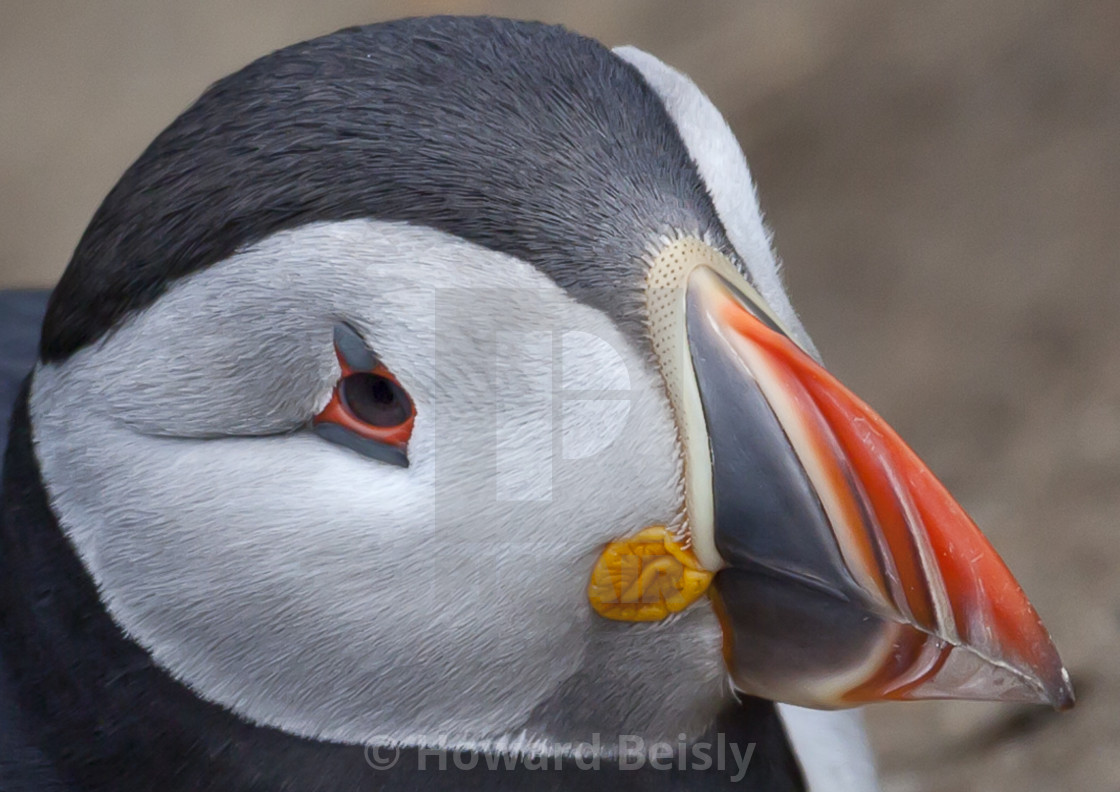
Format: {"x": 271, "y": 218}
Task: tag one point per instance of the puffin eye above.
{"x": 375, "y": 399}
{"x": 369, "y": 410}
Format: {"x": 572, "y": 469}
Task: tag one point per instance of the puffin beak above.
{"x": 846, "y": 571}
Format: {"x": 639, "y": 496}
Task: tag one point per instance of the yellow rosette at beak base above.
{"x": 646, "y": 577}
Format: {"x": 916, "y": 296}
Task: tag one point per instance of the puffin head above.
{"x": 433, "y": 383}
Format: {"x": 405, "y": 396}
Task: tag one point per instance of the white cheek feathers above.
{"x": 318, "y": 591}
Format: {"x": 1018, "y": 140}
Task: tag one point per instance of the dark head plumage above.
{"x": 451, "y": 122}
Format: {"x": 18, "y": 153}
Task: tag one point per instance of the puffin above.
{"x": 423, "y": 410}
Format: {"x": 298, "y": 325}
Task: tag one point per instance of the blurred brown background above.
{"x": 944, "y": 184}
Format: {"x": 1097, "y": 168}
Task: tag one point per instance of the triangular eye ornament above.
{"x": 369, "y": 411}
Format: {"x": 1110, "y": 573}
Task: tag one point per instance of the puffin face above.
{"x": 371, "y": 600}
{"x": 432, "y": 383}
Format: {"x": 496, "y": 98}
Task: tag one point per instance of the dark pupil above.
{"x": 375, "y": 400}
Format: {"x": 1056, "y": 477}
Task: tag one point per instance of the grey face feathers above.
{"x": 522, "y": 138}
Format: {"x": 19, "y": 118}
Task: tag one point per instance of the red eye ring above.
{"x": 339, "y": 411}
{"x": 369, "y": 410}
